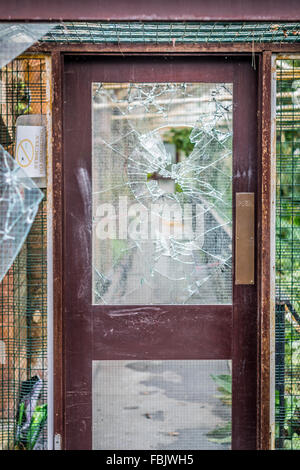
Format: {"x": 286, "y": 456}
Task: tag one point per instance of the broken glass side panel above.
{"x": 15, "y": 38}
{"x": 19, "y": 202}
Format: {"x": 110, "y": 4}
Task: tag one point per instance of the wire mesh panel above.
{"x": 288, "y": 256}
{"x": 166, "y": 405}
{"x": 172, "y": 32}
{"x": 23, "y": 292}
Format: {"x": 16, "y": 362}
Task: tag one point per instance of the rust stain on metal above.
{"x": 58, "y": 245}
{"x": 173, "y": 48}
{"x": 265, "y": 291}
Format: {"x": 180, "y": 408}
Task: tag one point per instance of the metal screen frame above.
{"x": 287, "y": 253}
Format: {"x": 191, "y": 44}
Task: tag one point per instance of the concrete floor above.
{"x": 157, "y": 404}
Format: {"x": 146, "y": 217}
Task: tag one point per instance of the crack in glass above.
{"x": 15, "y": 38}
{"x": 19, "y": 202}
{"x": 162, "y": 193}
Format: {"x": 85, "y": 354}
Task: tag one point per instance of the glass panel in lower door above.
{"x": 170, "y": 404}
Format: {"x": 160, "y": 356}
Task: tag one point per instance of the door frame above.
{"x": 265, "y": 215}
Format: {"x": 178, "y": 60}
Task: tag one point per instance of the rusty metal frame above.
{"x": 57, "y": 197}
{"x": 265, "y": 261}
{"x": 133, "y": 49}
{"x": 264, "y": 255}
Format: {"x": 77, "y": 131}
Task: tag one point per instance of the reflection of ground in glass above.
{"x": 161, "y": 175}
{"x": 172, "y": 404}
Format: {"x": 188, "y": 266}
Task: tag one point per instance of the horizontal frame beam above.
{"x": 212, "y": 48}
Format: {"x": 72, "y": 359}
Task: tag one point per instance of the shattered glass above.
{"x": 19, "y": 196}
{"x": 15, "y": 38}
{"x": 19, "y": 202}
{"x": 162, "y": 193}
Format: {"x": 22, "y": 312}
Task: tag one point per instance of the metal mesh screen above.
{"x": 171, "y": 32}
{"x": 166, "y": 405}
{"x": 288, "y": 256}
{"x": 23, "y": 292}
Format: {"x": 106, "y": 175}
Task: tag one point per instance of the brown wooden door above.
{"x": 156, "y": 130}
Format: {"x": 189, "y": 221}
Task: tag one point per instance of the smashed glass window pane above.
{"x": 19, "y": 201}
{"x": 15, "y": 38}
{"x": 162, "y": 193}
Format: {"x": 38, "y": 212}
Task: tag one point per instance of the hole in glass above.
{"x": 162, "y": 193}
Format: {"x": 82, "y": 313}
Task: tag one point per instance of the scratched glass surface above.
{"x": 162, "y": 193}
